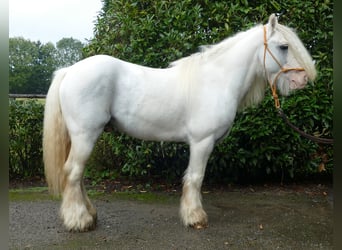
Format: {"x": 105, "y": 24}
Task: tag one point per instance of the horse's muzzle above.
{"x": 298, "y": 79}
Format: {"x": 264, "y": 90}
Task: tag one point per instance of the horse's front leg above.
{"x": 191, "y": 211}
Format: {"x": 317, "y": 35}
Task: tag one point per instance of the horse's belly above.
{"x": 149, "y": 108}
{"x": 151, "y": 128}
{"x": 149, "y": 117}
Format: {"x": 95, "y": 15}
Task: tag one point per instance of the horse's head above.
{"x": 287, "y": 63}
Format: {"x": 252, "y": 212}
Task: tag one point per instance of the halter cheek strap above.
{"x": 281, "y": 70}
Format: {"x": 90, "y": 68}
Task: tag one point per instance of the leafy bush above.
{"x": 259, "y": 146}
{"x": 154, "y": 33}
{"x": 255, "y": 150}
{"x": 117, "y": 154}
{"x": 247, "y": 154}
{"x": 25, "y": 138}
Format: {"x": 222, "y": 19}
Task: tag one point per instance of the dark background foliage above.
{"x": 25, "y": 135}
{"x": 260, "y": 146}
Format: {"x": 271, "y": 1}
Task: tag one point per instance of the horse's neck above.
{"x": 241, "y": 69}
{"x": 242, "y": 54}
{"x": 228, "y": 68}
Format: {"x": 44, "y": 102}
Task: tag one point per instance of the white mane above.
{"x": 189, "y": 65}
{"x": 214, "y": 50}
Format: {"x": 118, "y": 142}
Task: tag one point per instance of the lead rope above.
{"x": 276, "y": 98}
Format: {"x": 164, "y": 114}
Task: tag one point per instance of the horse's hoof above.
{"x": 82, "y": 230}
{"x": 87, "y": 228}
{"x": 199, "y": 226}
{"x": 88, "y": 223}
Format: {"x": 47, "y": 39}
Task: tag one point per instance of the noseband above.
{"x": 281, "y": 70}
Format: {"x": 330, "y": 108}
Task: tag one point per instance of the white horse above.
{"x": 194, "y": 101}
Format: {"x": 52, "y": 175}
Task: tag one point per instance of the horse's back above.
{"x": 102, "y": 88}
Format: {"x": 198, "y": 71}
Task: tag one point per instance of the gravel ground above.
{"x": 244, "y": 218}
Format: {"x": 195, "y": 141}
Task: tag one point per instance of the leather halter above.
{"x": 281, "y": 70}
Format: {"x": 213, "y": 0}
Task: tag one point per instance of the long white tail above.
{"x": 56, "y": 140}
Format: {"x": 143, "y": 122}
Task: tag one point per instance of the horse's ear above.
{"x": 272, "y": 21}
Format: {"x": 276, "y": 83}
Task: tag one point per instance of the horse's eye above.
{"x": 284, "y": 47}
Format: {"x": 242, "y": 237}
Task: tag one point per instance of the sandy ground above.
{"x": 244, "y": 218}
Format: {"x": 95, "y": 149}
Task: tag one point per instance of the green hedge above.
{"x": 25, "y": 138}
{"x": 256, "y": 150}
{"x": 260, "y": 146}
{"x": 154, "y": 33}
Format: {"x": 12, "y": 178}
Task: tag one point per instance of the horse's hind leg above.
{"x": 191, "y": 210}
{"x": 77, "y": 211}
{"x": 89, "y": 205}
